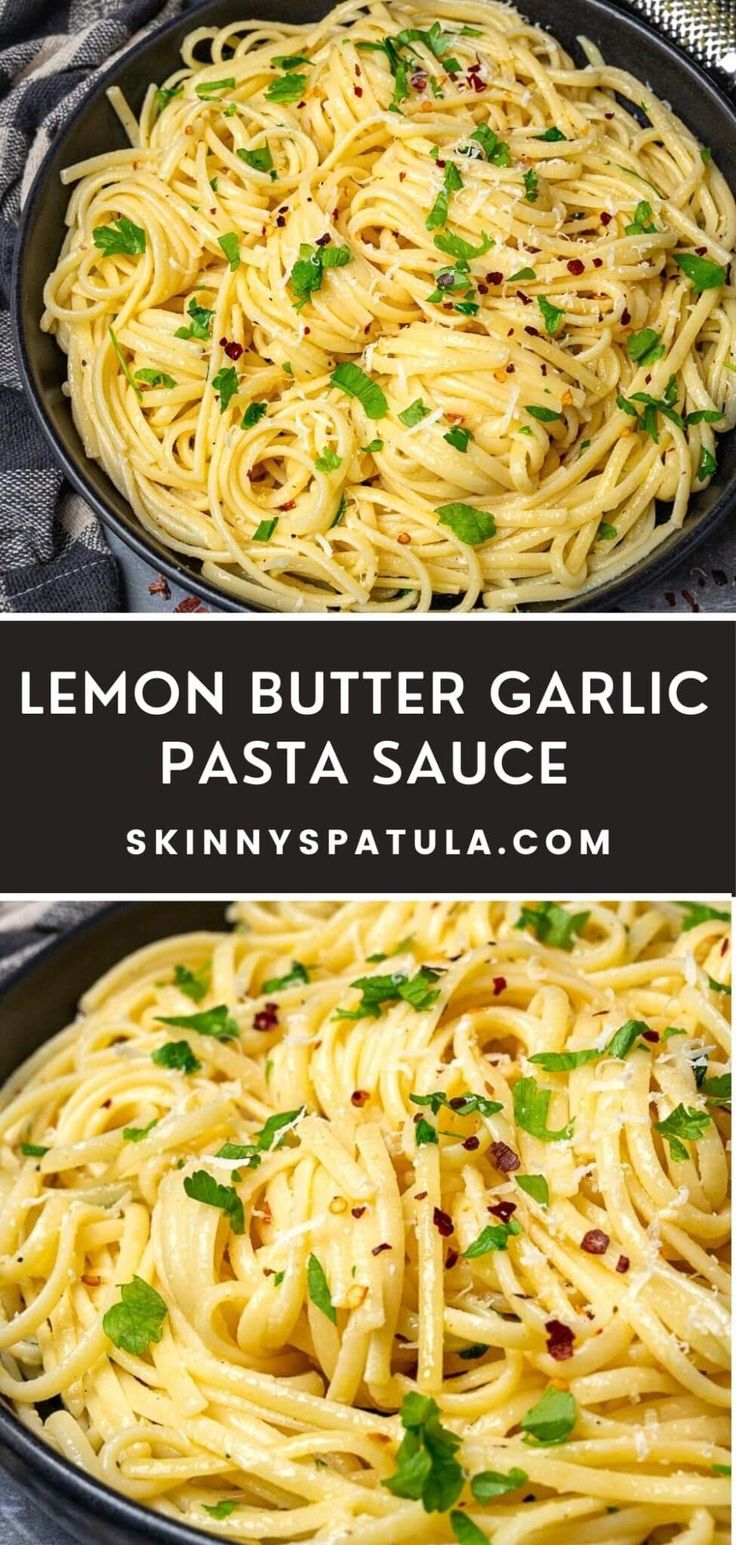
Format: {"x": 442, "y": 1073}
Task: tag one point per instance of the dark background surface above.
{"x": 663, "y": 784}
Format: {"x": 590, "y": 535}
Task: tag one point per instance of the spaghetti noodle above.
{"x": 386, "y": 1222}
{"x": 400, "y": 307}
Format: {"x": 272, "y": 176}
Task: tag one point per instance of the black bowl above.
{"x": 36, "y": 1002}
{"x": 624, "y": 39}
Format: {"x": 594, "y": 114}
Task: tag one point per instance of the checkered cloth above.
{"x": 25, "y": 926}
{"x": 53, "y": 555}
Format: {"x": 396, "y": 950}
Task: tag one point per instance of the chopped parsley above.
{"x": 426, "y": 1467}
{"x": 176, "y": 1054}
{"x": 653, "y": 405}
{"x": 123, "y": 363}
{"x": 695, "y": 913}
{"x": 298, "y": 973}
{"x": 201, "y": 1187}
{"x": 702, "y": 273}
{"x": 194, "y": 984}
{"x": 244, "y": 1153}
{"x": 644, "y": 347}
{"x": 308, "y": 271}
{"x": 456, "y": 246}
{"x": 290, "y": 61}
{"x": 328, "y": 460}
{"x": 277, "y": 1128}
{"x": 260, "y": 160}
{"x": 531, "y": 186}
{"x": 200, "y": 323}
{"x": 458, "y": 437}
{"x": 531, "y": 1105}
{"x": 231, "y": 248}
{"x": 227, "y": 384}
{"x": 137, "y": 1321}
{"x": 460, "y": 1105}
{"x": 563, "y": 1061}
{"x": 469, "y": 525}
{"x": 373, "y": 447}
{"x": 536, "y": 1187}
{"x": 551, "y": 1420}
{"x": 414, "y": 413}
{"x": 544, "y": 415}
{"x": 253, "y": 414}
{"x": 495, "y": 1236}
{"x": 318, "y": 1289}
{"x": 553, "y": 315}
{"x": 606, "y": 532}
{"x": 494, "y": 149}
{"x": 217, "y": 1022}
{"x": 466, "y": 1532}
{"x": 489, "y": 1484}
{"x": 682, "y": 1125}
{"x": 288, "y": 88}
{"x": 221, "y": 1509}
{"x": 551, "y": 135}
{"x": 123, "y": 237}
{"x": 378, "y": 990}
{"x": 424, "y": 1132}
{"x": 265, "y": 529}
{"x": 155, "y": 378}
{"x": 452, "y": 182}
{"x": 351, "y": 379}
{"x": 707, "y": 466}
{"x": 642, "y": 224}
{"x": 212, "y": 88}
{"x": 523, "y": 273}
{"x": 165, "y": 94}
{"x": 33, "y": 1150}
{"x": 137, "y": 1134}
{"x": 718, "y": 1090}
{"x": 552, "y": 924}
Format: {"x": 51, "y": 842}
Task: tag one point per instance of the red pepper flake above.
{"x": 289, "y": 505}
{"x": 503, "y": 1210}
{"x": 597, "y": 262}
{"x": 267, "y": 1018}
{"x": 281, "y": 220}
{"x": 724, "y": 946}
{"x": 477, "y": 84}
{"x": 608, "y": 115}
{"x": 357, "y": 1212}
{"x": 525, "y": 299}
{"x": 510, "y": 369}
{"x": 107, "y": 1103}
{"x": 504, "y": 1158}
{"x": 307, "y": 330}
{"x": 190, "y": 604}
{"x": 499, "y": 982}
{"x": 233, "y": 349}
{"x": 440, "y": 164}
{"x": 560, "y": 1339}
{"x": 650, "y": 1035}
{"x": 357, "y": 91}
{"x": 358, "y": 70}
{"x": 402, "y": 176}
{"x": 379, "y": 1249}
{"x": 701, "y": 251}
{"x": 494, "y": 278}
{"x": 451, "y": 1259}
{"x": 625, "y": 317}
{"x": 482, "y": 289}
{"x": 418, "y": 82}
{"x": 606, "y": 218}
{"x": 359, "y": 1097}
{"x": 576, "y": 266}
{"x": 419, "y": 1196}
{"x": 532, "y": 331}
{"x": 471, "y": 1143}
{"x": 323, "y": 241}
{"x": 443, "y": 1222}
{"x": 595, "y": 1242}
{"x": 623, "y": 1263}
{"x": 160, "y": 586}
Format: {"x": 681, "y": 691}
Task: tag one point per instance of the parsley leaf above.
{"x": 495, "y": 1236}
{"x": 122, "y": 237}
{"x": 531, "y": 186}
{"x": 461, "y": 1104}
{"x": 227, "y": 384}
{"x": 551, "y": 1420}
{"x": 288, "y": 88}
{"x": 176, "y": 1054}
{"x": 465, "y": 1531}
{"x": 469, "y": 525}
{"x": 377, "y": 990}
{"x": 328, "y": 460}
{"x": 202, "y": 1187}
{"x": 217, "y": 1022}
{"x": 194, "y": 984}
{"x": 298, "y": 973}
{"x": 424, "y": 1132}
{"x": 308, "y": 271}
{"x": 552, "y": 314}
{"x": 536, "y": 1187}
{"x": 458, "y": 438}
{"x": 702, "y": 273}
{"x": 245, "y": 1153}
{"x": 200, "y": 326}
{"x": 606, "y": 532}
{"x": 641, "y": 225}
{"x": 718, "y": 1090}
{"x": 318, "y": 1289}
{"x": 624, "y": 1038}
{"x": 166, "y": 94}
{"x": 552, "y": 924}
{"x": 452, "y": 182}
{"x": 290, "y": 61}
{"x": 260, "y": 160}
{"x": 645, "y": 347}
{"x": 373, "y": 446}
{"x": 33, "y": 1150}
{"x": 545, "y": 415}
{"x": 551, "y": 135}
{"x": 349, "y": 378}
{"x": 211, "y": 88}
{"x": 682, "y": 1122}
{"x": 455, "y": 246}
{"x": 155, "y": 378}
{"x": 414, "y": 413}
{"x": 494, "y": 149}
{"x": 221, "y": 1509}
{"x": 696, "y": 912}
{"x": 530, "y": 1111}
{"x": 426, "y": 1469}
{"x": 265, "y": 529}
{"x": 489, "y": 1484}
{"x": 717, "y": 986}
{"x": 137, "y": 1134}
{"x": 563, "y": 1061}
{"x": 231, "y": 248}
{"x": 137, "y": 1320}
{"x": 281, "y": 1123}
{"x": 469, "y": 1353}
{"x": 707, "y": 466}
{"x": 523, "y": 273}
{"x": 253, "y": 413}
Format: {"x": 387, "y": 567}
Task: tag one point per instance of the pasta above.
{"x": 401, "y": 308}
{"x": 386, "y": 1221}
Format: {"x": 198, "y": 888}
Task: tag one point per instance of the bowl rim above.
{"x": 605, "y": 597}
{"x": 83, "y": 1489}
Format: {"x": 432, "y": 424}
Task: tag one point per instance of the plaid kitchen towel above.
{"x": 27, "y": 925}
{"x": 53, "y": 554}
